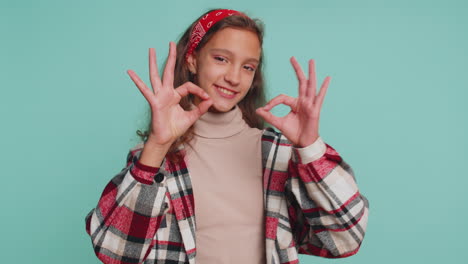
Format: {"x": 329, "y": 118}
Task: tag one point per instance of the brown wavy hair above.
{"x": 253, "y": 99}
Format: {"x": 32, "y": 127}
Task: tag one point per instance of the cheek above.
{"x": 248, "y": 81}
{"x": 209, "y": 74}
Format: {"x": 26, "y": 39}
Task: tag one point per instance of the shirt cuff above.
{"x": 309, "y": 153}
{"x": 143, "y": 173}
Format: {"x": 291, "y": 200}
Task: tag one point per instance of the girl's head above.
{"x": 226, "y": 62}
{"x": 227, "y": 57}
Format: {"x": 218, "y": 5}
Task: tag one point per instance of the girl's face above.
{"x": 225, "y": 67}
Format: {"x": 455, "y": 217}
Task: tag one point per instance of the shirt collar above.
{"x": 220, "y": 125}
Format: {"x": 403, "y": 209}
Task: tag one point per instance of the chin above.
{"x": 220, "y": 109}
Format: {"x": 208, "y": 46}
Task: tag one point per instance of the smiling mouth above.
{"x": 225, "y": 91}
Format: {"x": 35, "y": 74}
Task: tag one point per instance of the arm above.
{"x": 327, "y": 212}
{"x": 128, "y": 214}
{"x": 132, "y": 205}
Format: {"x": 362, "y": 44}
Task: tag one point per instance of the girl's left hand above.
{"x": 300, "y": 125}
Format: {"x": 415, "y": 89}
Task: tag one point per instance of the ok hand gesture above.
{"x": 301, "y": 124}
{"x": 168, "y": 119}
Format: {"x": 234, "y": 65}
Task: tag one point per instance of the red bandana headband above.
{"x": 204, "y": 24}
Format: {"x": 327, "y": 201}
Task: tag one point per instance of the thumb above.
{"x": 269, "y": 117}
{"x": 199, "y": 110}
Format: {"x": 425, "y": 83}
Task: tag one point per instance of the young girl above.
{"x": 210, "y": 184}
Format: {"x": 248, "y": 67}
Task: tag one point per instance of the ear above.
{"x": 192, "y": 63}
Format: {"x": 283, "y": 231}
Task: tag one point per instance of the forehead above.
{"x": 240, "y": 42}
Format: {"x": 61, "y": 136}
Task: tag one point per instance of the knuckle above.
{"x": 189, "y": 84}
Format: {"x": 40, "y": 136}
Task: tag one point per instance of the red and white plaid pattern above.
{"x": 312, "y": 206}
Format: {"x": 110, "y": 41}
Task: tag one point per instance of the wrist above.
{"x": 306, "y": 142}
{"x": 309, "y": 153}
{"x": 154, "y": 143}
{"x": 153, "y": 153}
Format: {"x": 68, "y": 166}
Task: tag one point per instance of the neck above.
{"x": 220, "y": 124}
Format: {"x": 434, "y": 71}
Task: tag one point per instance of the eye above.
{"x": 219, "y": 58}
{"x": 249, "y": 68}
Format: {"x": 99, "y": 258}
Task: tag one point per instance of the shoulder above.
{"x": 275, "y": 145}
{"x": 138, "y": 147}
{"x": 276, "y": 150}
{"x": 134, "y": 152}
{"x": 271, "y": 136}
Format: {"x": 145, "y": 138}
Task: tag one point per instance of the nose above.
{"x": 232, "y": 75}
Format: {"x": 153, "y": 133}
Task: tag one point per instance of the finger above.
{"x": 300, "y": 76}
{"x": 312, "y": 82}
{"x": 321, "y": 96}
{"x": 281, "y": 99}
{"x": 269, "y": 117}
{"x": 153, "y": 67}
{"x": 200, "y": 110}
{"x": 205, "y": 105}
{"x": 147, "y": 93}
{"x": 190, "y": 87}
{"x": 168, "y": 77}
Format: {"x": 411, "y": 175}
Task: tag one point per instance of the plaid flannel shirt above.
{"x": 311, "y": 201}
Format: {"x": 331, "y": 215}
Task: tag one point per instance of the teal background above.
{"x": 395, "y": 110}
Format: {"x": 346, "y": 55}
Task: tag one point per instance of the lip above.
{"x": 223, "y": 94}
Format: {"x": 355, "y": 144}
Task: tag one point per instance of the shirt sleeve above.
{"x": 328, "y": 214}
{"x": 128, "y": 214}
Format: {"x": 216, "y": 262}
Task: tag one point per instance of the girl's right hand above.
{"x": 169, "y": 120}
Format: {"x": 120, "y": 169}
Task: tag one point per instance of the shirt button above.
{"x": 159, "y": 177}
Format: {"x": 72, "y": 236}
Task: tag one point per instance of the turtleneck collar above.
{"x": 220, "y": 125}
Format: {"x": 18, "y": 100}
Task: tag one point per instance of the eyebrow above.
{"x": 230, "y": 53}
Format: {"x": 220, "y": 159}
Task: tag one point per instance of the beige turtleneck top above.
{"x": 224, "y": 162}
